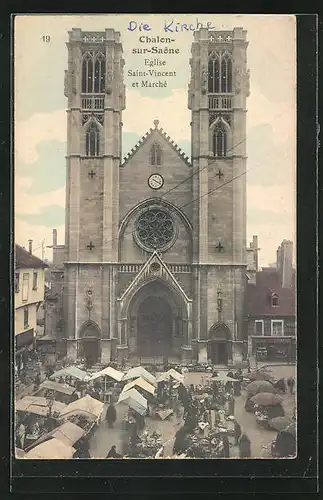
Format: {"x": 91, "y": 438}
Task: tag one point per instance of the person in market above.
{"x": 244, "y": 446}
{"x": 37, "y": 380}
{"x": 83, "y": 449}
{"x": 228, "y": 385}
{"x": 111, "y": 415}
{"x": 22, "y": 435}
{"x": 180, "y": 442}
{"x": 291, "y": 384}
{"x": 226, "y": 447}
{"x": 140, "y": 420}
{"x": 280, "y": 385}
{"x": 230, "y": 405}
{"x": 237, "y": 432}
{"x": 74, "y": 397}
{"x": 113, "y": 453}
{"x": 237, "y": 385}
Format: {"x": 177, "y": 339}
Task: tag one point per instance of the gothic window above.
{"x": 219, "y": 139}
{"x": 92, "y": 140}
{"x": 154, "y": 230}
{"x": 93, "y": 73}
{"x": 214, "y": 73}
{"x": 220, "y": 73}
{"x": 156, "y": 154}
{"x": 226, "y": 73}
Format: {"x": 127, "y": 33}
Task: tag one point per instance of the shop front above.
{"x": 24, "y": 344}
{"x": 273, "y": 349}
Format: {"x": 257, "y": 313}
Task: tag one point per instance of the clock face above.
{"x": 155, "y": 181}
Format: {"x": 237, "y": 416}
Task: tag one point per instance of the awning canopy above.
{"x": 55, "y": 386}
{"x": 85, "y": 404}
{"x": 70, "y": 371}
{"x": 140, "y": 372}
{"x": 108, "y": 372}
{"x": 38, "y": 406}
{"x": 142, "y": 383}
{"x": 171, "y": 374}
{"x": 135, "y": 400}
{"x": 53, "y": 449}
{"x": 68, "y": 432}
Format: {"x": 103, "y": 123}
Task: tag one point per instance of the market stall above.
{"x": 86, "y": 413}
{"x": 53, "y": 449}
{"x": 175, "y": 375}
{"x": 108, "y": 379}
{"x": 140, "y": 372}
{"x": 134, "y": 400}
{"x": 70, "y": 372}
{"x": 68, "y": 433}
{"x": 61, "y": 392}
{"x": 142, "y": 386}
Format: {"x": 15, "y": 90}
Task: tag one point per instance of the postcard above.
{"x": 155, "y": 215}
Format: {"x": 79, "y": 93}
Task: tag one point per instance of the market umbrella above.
{"x": 259, "y": 386}
{"x": 266, "y": 399}
{"x": 279, "y": 423}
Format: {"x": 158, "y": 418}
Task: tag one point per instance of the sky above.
{"x": 40, "y": 116}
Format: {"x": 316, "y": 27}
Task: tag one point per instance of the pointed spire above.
{"x": 156, "y": 123}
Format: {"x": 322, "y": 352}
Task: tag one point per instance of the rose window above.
{"x": 155, "y": 230}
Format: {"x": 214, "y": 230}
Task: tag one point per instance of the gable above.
{"x": 170, "y": 150}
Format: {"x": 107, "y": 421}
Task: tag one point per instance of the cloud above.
{"x": 176, "y": 124}
{"x": 35, "y": 204}
{"x": 38, "y": 128}
{"x": 269, "y": 163}
{"x": 49, "y": 216}
{"x": 280, "y": 199}
{"x": 48, "y": 172}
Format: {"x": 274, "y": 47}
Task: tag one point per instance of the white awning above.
{"x": 108, "y": 372}
{"x": 140, "y": 382}
{"x": 85, "y": 404}
{"x": 135, "y": 400}
{"x": 53, "y": 449}
{"x": 140, "y": 372}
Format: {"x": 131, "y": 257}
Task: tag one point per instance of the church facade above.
{"x": 155, "y": 245}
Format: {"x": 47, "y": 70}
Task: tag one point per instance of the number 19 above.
{"x": 46, "y": 38}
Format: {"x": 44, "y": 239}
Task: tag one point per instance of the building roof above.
{"x": 258, "y": 296}
{"x": 25, "y": 260}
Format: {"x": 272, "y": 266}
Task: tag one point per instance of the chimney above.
{"x": 54, "y": 238}
{"x": 255, "y": 250}
{"x": 30, "y": 243}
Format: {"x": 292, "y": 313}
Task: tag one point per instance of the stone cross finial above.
{"x": 156, "y": 123}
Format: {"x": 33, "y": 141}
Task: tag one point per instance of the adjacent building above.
{"x": 28, "y": 296}
{"x": 271, "y": 311}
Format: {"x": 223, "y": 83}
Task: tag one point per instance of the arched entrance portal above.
{"x": 89, "y": 345}
{"x": 218, "y": 346}
{"x": 156, "y": 321}
{"x": 154, "y": 327}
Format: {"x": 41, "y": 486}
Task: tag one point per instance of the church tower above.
{"x": 96, "y": 97}
{"x": 218, "y": 91}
